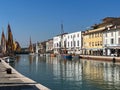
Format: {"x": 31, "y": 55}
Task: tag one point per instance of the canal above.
{"x": 58, "y": 74}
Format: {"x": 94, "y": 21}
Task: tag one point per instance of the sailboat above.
{"x": 36, "y": 49}
{"x": 63, "y": 50}
{"x": 36, "y": 46}
{"x": 31, "y": 50}
{"x": 3, "y": 43}
{"x": 7, "y": 46}
{"x": 10, "y": 43}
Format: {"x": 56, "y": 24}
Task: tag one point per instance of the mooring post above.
{"x": 9, "y": 71}
{"x": 114, "y": 60}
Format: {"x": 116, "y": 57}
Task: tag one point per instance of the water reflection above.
{"x": 70, "y": 75}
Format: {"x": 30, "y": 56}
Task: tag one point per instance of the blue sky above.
{"x": 41, "y": 19}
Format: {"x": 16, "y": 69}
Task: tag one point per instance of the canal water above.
{"x": 58, "y": 74}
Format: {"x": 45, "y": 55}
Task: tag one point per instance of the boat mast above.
{"x": 37, "y": 48}
{"x": 10, "y": 42}
{"x": 31, "y": 46}
{"x": 63, "y": 43}
{"x": 3, "y": 42}
{"x": 62, "y": 33}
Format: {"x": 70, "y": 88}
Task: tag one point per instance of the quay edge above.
{"x": 15, "y": 79}
{"x": 100, "y": 58}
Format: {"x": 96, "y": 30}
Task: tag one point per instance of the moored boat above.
{"x": 31, "y": 53}
{"x": 9, "y": 59}
{"x": 31, "y": 50}
{"x": 75, "y": 57}
{"x": 52, "y": 55}
{"x": 67, "y": 56}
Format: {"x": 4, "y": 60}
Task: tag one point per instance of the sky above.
{"x": 41, "y": 19}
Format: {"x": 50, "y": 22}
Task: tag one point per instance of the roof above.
{"x": 95, "y": 30}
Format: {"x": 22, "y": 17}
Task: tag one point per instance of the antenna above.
{"x": 62, "y": 30}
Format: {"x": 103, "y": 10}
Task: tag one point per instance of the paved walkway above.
{"x": 16, "y": 81}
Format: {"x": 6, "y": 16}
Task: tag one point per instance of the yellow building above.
{"x": 93, "y": 41}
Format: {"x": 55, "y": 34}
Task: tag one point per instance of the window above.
{"x": 118, "y": 40}
{"x": 74, "y": 36}
{"x": 64, "y": 43}
{"x": 68, "y": 44}
{"x": 92, "y": 43}
{"x": 106, "y": 34}
{"x": 111, "y": 34}
{"x": 59, "y": 44}
{"x": 119, "y": 32}
{"x": 68, "y": 37}
{"x": 98, "y": 43}
{"x": 74, "y": 44}
{"x": 112, "y": 41}
{"x": 101, "y": 43}
{"x": 78, "y": 43}
{"x": 77, "y": 35}
{"x": 71, "y": 43}
{"x": 95, "y": 43}
{"x": 106, "y": 41}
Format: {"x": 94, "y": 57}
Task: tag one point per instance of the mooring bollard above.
{"x": 114, "y": 60}
{"x": 9, "y": 71}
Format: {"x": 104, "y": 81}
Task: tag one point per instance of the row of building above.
{"x": 101, "y": 39}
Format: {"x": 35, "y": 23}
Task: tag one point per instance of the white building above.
{"x": 72, "y": 42}
{"x": 58, "y": 42}
{"x": 49, "y": 46}
{"x": 111, "y": 41}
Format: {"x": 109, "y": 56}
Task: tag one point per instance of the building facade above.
{"x": 93, "y": 41}
{"x": 72, "y": 42}
{"x": 49, "y": 46}
{"x": 59, "y": 43}
{"x": 111, "y": 41}
{"x": 42, "y": 47}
